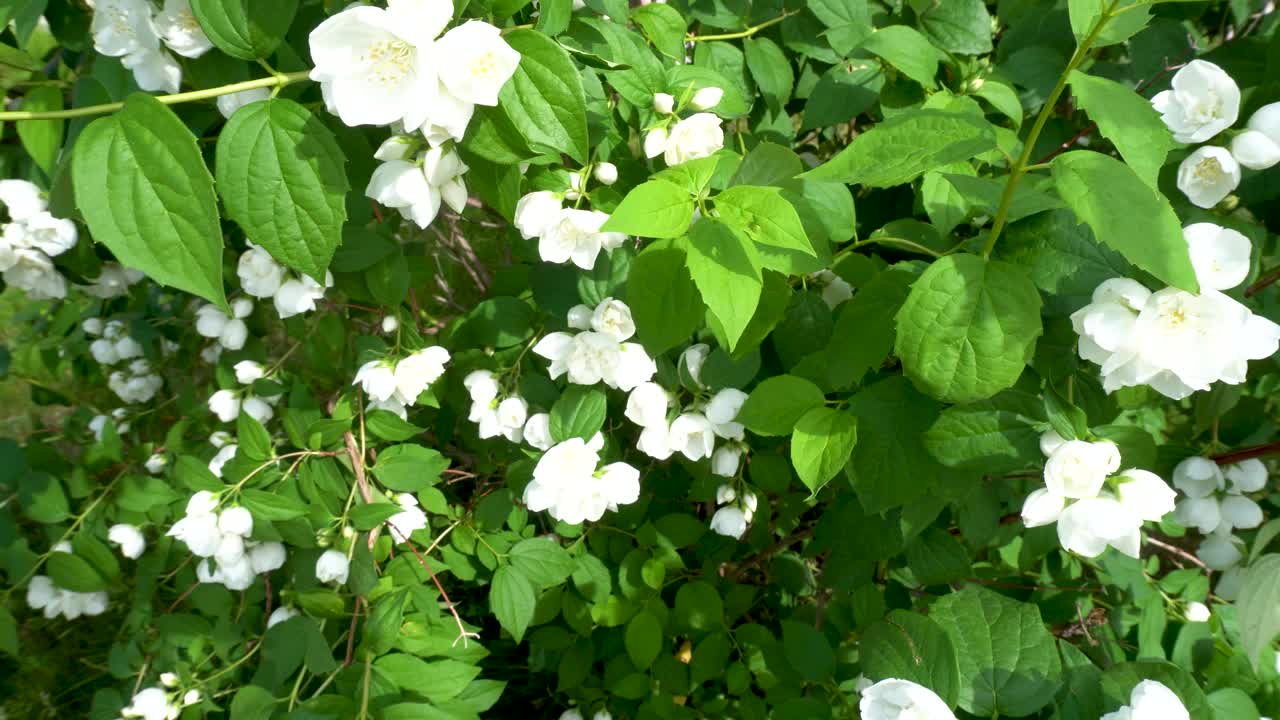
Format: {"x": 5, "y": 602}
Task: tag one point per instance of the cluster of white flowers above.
{"x": 132, "y": 31}
{"x": 393, "y": 385}
{"x": 564, "y": 234}
{"x": 1092, "y": 508}
{"x": 43, "y": 594}
{"x": 128, "y": 538}
{"x": 1216, "y": 504}
{"x": 835, "y": 289}
{"x": 113, "y": 281}
{"x": 1204, "y": 101}
{"x": 229, "y": 330}
{"x": 599, "y": 352}
{"x": 136, "y": 384}
{"x": 160, "y": 703}
{"x": 696, "y": 136}
{"x": 1150, "y": 700}
{"x": 30, "y": 238}
{"x": 262, "y": 277}
{"x": 415, "y": 182}
{"x": 224, "y": 537}
{"x": 569, "y": 483}
{"x": 576, "y": 714}
{"x": 894, "y": 699}
{"x": 113, "y": 342}
{"x": 228, "y": 404}
{"x": 1175, "y": 341}
{"x": 99, "y": 423}
{"x": 381, "y": 66}
{"x": 690, "y": 430}
{"x": 506, "y": 416}
{"x": 735, "y": 513}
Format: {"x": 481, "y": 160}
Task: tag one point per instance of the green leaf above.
{"x": 72, "y": 572}
{"x": 542, "y": 560}
{"x": 958, "y": 26}
{"x": 1258, "y": 606}
{"x": 370, "y": 515}
{"x": 907, "y": 50}
{"x": 409, "y": 468}
{"x": 1126, "y": 214}
{"x": 271, "y": 506}
{"x": 643, "y": 639}
{"x": 1120, "y": 26}
{"x": 579, "y": 412}
{"x": 847, "y": 21}
{"x": 1128, "y": 120}
{"x": 936, "y": 557}
{"x": 253, "y": 439}
{"x": 846, "y": 90}
{"x": 771, "y": 69}
{"x": 807, "y": 651}
{"x": 907, "y": 145}
{"x": 665, "y": 303}
{"x": 493, "y": 136}
{"x": 252, "y": 703}
{"x": 388, "y": 426}
{"x": 864, "y": 330}
{"x": 1008, "y": 661}
{"x": 42, "y": 138}
{"x": 512, "y": 601}
{"x": 1062, "y": 259}
{"x": 146, "y": 194}
{"x": 994, "y": 435}
{"x": 985, "y": 193}
{"x": 242, "y": 31}
{"x": 777, "y": 404}
{"x": 545, "y": 99}
{"x": 726, "y": 268}
{"x": 386, "y": 618}
{"x": 1232, "y": 704}
{"x": 821, "y": 444}
{"x": 664, "y": 26}
{"x": 684, "y": 78}
{"x": 283, "y": 179}
{"x": 765, "y": 216}
{"x": 910, "y": 646}
{"x": 890, "y": 465}
{"x": 437, "y": 681}
{"x": 8, "y": 633}
{"x": 656, "y": 209}
{"x": 1118, "y": 682}
{"x": 699, "y": 606}
{"x": 968, "y": 328}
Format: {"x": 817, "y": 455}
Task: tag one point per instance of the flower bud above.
{"x": 169, "y": 680}
{"x": 606, "y": 173}
{"x": 725, "y": 494}
{"x": 1042, "y": 508}
{"x": 725, "y": 461}
{"x": 664, "y": 104}
{"x": 706, "y": 98}
{"x": 579, "y": 317}
{"x": 332, "y": 566}
{"x": 1197, "y": 612}
{"x": 190, "y": 697}
{"x": 655, "y": 142}
{"x": 249, "y": 371}
{"x": 729, "y": 521}
{"x": 390, "y": 324}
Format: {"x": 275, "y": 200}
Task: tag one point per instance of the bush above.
{"x": 608, "y": 359}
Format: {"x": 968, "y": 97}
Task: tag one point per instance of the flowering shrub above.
{"x": 892, "y": 359}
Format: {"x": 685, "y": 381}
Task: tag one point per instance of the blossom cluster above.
{"x": 564, "y": 234}
{"x": 30, "y": 238}
{"x": 680, "y": 140}
{"x": 159, "y": 703}
{"x": 691, "y": 430}
{"x": 43, "y": 594}
{"x": 735, "y": 513}
{"x": 416, "y": 180}
{"x": 224, "y": 537}
{"x": 1216, "y": 503}
{"x": 395, "y": 384}
{"x": 262, "y": 277}
{"x": 228, "y": 404}
{"x": 133, "y": 31}
{"x": 1094, "y": 507}
{"x": 1175, "y": 341}
{"x": 599, "y": 352}
{"x": 569, "y": 483}
{"x": 504, "y": 416}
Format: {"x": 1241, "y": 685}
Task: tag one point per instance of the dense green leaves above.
{"x": 283, "y": 178}
{"x": 907, "y": 145}
{"x": 146, "y": 194}
{"x": 42, "y": 138}
{"x": 580, "y": 413}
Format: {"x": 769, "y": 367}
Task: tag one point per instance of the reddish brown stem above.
{"x": 1263, "y": 283}
{"x": 351, "y": 633}
{"x": 1248, "y": 453}
{"x": 462, "y": 630}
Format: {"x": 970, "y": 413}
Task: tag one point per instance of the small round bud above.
{"x": 390, "y": 324}
{"x": 664, "y": 103}
{"x": 606, "y": 173}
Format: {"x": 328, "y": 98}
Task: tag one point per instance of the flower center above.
{"x": 1209, "y": 170}
{"x": 390, "y": 61}
{"x": 483, "y": 65}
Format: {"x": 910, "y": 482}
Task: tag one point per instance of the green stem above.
{"x": 275, "y": 81}
{"x": 741, "y": 34}
{"x": 1023, "y": 164}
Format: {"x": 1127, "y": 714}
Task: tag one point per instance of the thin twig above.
{"x": 1248, "y": 453}
{"x": 1177, "y": 552}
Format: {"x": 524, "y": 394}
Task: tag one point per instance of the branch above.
{"x": 1257, "y": 451}
{"x": 1263, "y": 283}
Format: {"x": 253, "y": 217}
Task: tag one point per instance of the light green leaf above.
{"x": 906, "y": 146}
{"x": 283, "y": 178}
{"x": 272, "y": 506}
{"x": 1127, "y": 119}
{"x": 72, "y": 572}
{"x": 656, "y": 209}
{"x": 664, "y": 26}
{"x": 437, "y": 681}
{"x": 1008, "y": 661}
{"x": 1232, "y": 704}
{"x": 1126, "y": 214}
{"x": 907, "y": 50}
{"x": 777, "y": 404}
{"x": 241, "y": 30}
{"x": 146, "y": 194}
{"x": 42, "y": 138}
{"x": 725, "y": 267}
{"x": 1258, "y": 606}
{"x": 643, "y": 639}
{"x": 771, "y": 69}
{"x": 542, "y": 560}
{"x": 968, "y": 328}
{"x": 765, "y": 216}
{"x": 664, "y": 301}
{"x": 958, "y": 26}
{"x": 252, "y": 703}
{"x": 985, "y": 193}
{"x": 512, "y": 601}
{"x": 821, "y": 444}
{"x": 545, "y": 99}
{"x": 910, "y": 646}
{"x": 848, "y": 22}
{"x": 1120, "y": 26}
{"x": 409, "y": 468}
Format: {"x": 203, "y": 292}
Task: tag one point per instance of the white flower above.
{"x": 1042, "y": 507}
{"x": 482, "y": 386}
{"x": 33, "y": 271}
{"x": 156, "y": 463}
{"x": 1150, "y": 700}
{"x": 444, "y": 169}
{"x": 512, "y": 413}
{"x": 537, "y": 431}
{"x": 202, "y": 503}
{"x": 129, "y": 538}
{"x": 249, "y": 371}
{"x": 602, "y": 715}
{"x": 694, "y": 137}
{"x": 179, "y": 29}
{"x": 190, "y": 697}
{"x": 1203, "y": 514}
{"x": 612, "y": 318}
{"x": 894, "y": 699}
{"x": 169, "y": 680}
{"x": 536, "y": 212}
{"x": 231, "y": 102}
{"x": 579, "y": 317}
{"x": 1077, "y": 469}
{"x": 230, "y": 551}
{"x": 706, "y": 98}
{"x": 396, "y": 147}
{"x": 104, "y": 351}
{"x": 21, "y": 198}
{"x": 1208, "y": 175}
{"x": 571, "y": 714}
{"x": 1258, "y": 147}
{"x": 236, "y": 521}
{"x": 1145, "y": 495}
{"x": 476, "y": 62}
{"x": 281, "y": 614}
{"x": 655, "y": 142}
{"x": 1050, "y": 440}
{"x": 691, "y": 435}
{"x": 260, "y": 275}
{"x": 1088, "y": 526}
{"x": 691, "y": 361}
{"x": 1197, "y": 612}
{"x": 725, "y": 460}
{"x": 92, "y": 326}
{"x": 592, "y": 357}
{"x": 447, "y": 119}
{"x": 655, "y": 441}
{"x": 605, "y": 173}
{"x": 1239, "y": 512}
{"x": 725, "y": 494}
{"x": 575, "y": 237}
{"x": 199, "y": 533}
{"x": 1220, "y": 551}
{"x": 123, "y": 27}
{"x": 634, "y": 367}
{"x": 377, "y": 379}
{"x": 299, "y": 295}
{"x": 723, "y": 409}
{"x": 414, "y": 373}
{"x": 1204, "y": 101}
{"x": 390, "y": 324}
{"x": 664, "y": 104}
{"x": 113, "y": 281}
{"x": 1246, "y": 476}
{"x": 258, "y": 409}
{"x": 50, "y": 235}
{"x": 225, "y": 404}
{"x": 1219, "y": 255}
{"x": 407, "y": 521}
{"x": 729, "y": 521}
{"x": 1198, "y": 477}
{"x": 567, "y": 484}
{"x": 836, "y": 292}
{"x": 403, "y": 185}
{"x": 150, "y": 704}
{"x": 332, "y": 567}
{"x": 266, "y": 556}
{"x": 377, "y": 66}
{"x": 154, "y": 70}
{"x": 647, "y": 405}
